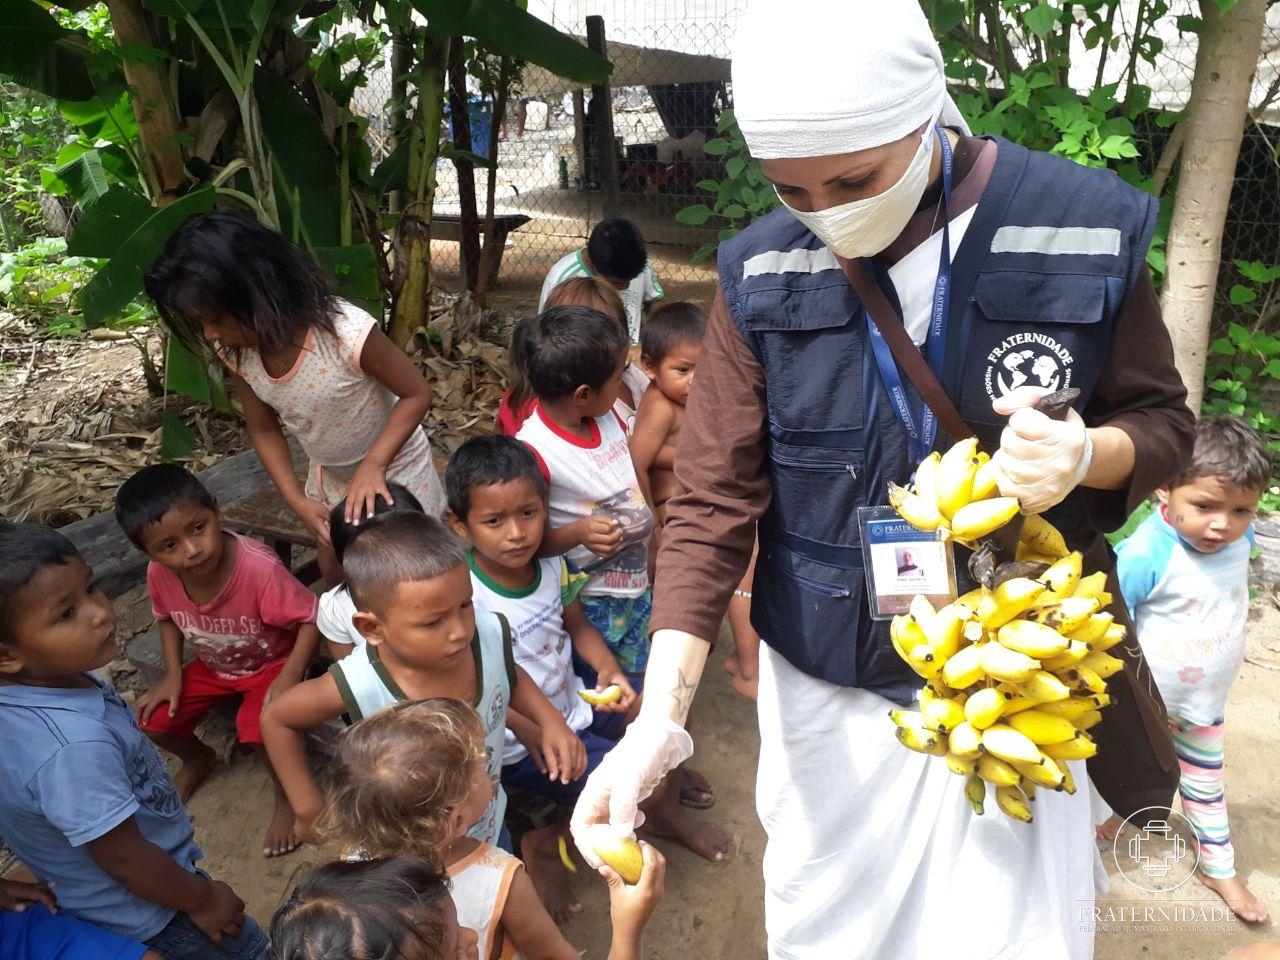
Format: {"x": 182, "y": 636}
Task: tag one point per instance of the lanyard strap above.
{"x": 920, "y": 439}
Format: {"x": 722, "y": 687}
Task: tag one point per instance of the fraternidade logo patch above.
{"x": 1028, "y": 360}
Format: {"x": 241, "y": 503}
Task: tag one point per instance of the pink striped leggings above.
{"x": 1200, "y": 752}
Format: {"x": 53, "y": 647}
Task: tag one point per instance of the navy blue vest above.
{"x": 1038, "y": 282}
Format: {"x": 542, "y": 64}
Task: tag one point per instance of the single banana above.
{"x": 1013, "y": 803}
{"x": 1103, "y": 664}
{"x": 1006, "y": 601}
{"x": 1043, "y": 774}
{"x": 1075, "y": 652}
{"x": 1079, "y": 747}
{"x": 914, "y": 735}
{"x": 925, "y": 484}
{"x": 1064, "y": 615}
{"x": 976, "y": 520}
{"x": 956, "y": 471}
{"x": 945, "y": 632}
{"x": 994, "y": 770}
{"x": 922, "y": 612}
{"x": 1072, "y": 708}
{"x": 1088, "y": 720}
{"x": 943, "y": 716}
{"x": 967, "y": 605}
{"x": 975, "y": 791}
{"x": 1093, "y": 585}
{"x": 1068, "y": 785}
{"x": 564, "y": 856}
{"x": 921, "y": 514}
{"x": 924, "y": 660}
{"x": 1028, "y": 787}
{"x": 1115, "y": 634}
{"x": 1063, "y": 576}
{"x": 1093, "y": 630}
{"x": 1042, "y": 537}
{"x": 1015, "y": 703}
{"x": 984, "y": 707}
{"x": 965, "y": 668}
{"x": 1043, "y": 687}
{"x": 1041, "y": 728}
{"x": 984, "y": 481}
{"x": 1035, "y": 640}
{"x": 1003, "y": 741}
{"x": 966, "y": 741}
{"x": 961, "y": 766}
{"x": 1081, "y": 679}
{"x": 1001, "y": 663}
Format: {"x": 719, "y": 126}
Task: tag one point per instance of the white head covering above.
{"x": 812, "y": 78}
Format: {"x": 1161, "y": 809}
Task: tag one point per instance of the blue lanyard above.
{"x": 920, "y": 439}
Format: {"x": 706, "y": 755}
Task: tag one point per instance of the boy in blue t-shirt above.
{"x": 1184, "y": 574}
{"x": 85, "y": 801}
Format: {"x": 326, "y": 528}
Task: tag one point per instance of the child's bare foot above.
{"x": 540, "y": 851}
{"x": 196, "y": 766}
{"x": 704, "y": 838}
{"x": 696, "y": 791}
{"x": 1242, "y": 901}
{"x": 281, "y": 837}
{"x": 1108, "y": 830}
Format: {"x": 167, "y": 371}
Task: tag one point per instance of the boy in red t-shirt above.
{"x": 251, "y": 624}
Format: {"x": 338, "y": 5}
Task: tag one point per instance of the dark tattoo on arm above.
{"x": 682, "y": 694}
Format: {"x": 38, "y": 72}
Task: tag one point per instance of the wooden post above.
{"x": 580, "y": 134}
{"x": 602, "y": 101}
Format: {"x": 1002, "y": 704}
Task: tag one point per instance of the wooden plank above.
{"x": 118, "y": 565}
{"x": 447, "y": 227}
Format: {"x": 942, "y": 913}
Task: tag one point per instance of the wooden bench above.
{"x": 448, "y": 227}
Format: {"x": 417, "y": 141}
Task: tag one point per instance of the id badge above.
{"x": 902, "y": 561}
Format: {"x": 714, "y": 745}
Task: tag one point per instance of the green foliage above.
{"x": 38, "y": 282}
{"x": 1242, "y": 370}
{"x": 741, "y": 198}
{"x": 1144, "y": 510}
{"x": 31, "y": 131}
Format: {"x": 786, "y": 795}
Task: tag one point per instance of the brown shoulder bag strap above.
{"x": 909, "y": 358}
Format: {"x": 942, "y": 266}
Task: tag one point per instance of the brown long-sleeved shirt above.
{"x": 723, "y": 474}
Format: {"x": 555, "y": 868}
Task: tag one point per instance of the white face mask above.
{"x": 863, "y": 228}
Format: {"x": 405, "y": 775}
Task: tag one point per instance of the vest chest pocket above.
{"x": 810, "y": 344}
{"x": 1034, "y": 330}
{"x": 817, "y": 491}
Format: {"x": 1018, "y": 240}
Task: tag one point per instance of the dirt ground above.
{"x": 714, "y": 912}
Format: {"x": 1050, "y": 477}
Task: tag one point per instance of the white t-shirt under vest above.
{"x": 538, "y": 639}
{"x": 591, "y": 477}
{"x": 366, "y": 687}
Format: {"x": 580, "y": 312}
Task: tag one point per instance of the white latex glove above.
{"x": 1040, "y": 460}
{"x": 651, "y": 748}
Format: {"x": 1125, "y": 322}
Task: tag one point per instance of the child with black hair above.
{"x": 669, "y": 348}
{"x": 615, "y": 252}
{"x": 498, "y": 500}
{"x": 334, "y": 617}
{"x": 408, "y": 780}
{"x": 85, "y": 801}
{"x": 517, "y": 402}
{"x": 249, "y": 620}
{"x": 397, "y": 908}
{"x": 597, "y": 515}
{"x": 304, "y": 360}
{"x": 409, "y": 579}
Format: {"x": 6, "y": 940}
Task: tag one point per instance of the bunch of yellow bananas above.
{"x": 1015, "y": 675}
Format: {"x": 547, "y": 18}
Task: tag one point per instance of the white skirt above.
{"x": 873, "y": 851}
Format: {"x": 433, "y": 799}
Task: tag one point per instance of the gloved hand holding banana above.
{"x": 1015, "y": 671}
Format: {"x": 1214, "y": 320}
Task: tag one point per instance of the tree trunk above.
{"x": 153, "y": 106}
{"x": 1230, "y": 44}
{"x": 413, "y": 231}
{"x": 469, "y": 244}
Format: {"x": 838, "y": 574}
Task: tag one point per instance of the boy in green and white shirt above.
{"x": 615, "y": 253}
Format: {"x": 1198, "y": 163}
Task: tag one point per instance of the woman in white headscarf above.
{"x": 800, "y": 417}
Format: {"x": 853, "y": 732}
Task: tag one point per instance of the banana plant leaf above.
{"x": 503, "y": 27}
{"x": 39, "y": 53}
{"x": 355, "y": 273}
{"x": 108, "y": 222}
{"x": 120, "y": 280}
